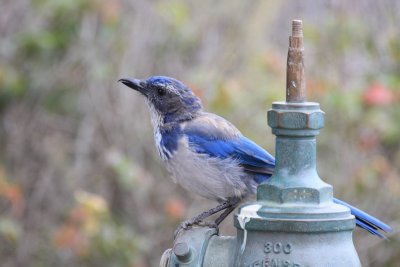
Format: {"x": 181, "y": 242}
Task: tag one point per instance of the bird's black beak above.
{"x": 135, "y": 84}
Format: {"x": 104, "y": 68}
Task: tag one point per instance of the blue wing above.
{"x": 217, "y": 137}
{"x": 366, "y": 221}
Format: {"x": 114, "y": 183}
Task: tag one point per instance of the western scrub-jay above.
{"x": 207, "y": 155}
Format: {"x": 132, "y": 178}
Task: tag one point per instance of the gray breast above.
{"x": 210, "y": 177}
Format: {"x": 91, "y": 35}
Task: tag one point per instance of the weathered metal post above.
{"x": 294, "y": 221}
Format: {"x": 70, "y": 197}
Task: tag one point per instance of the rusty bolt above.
{"x": 295, "y": 77}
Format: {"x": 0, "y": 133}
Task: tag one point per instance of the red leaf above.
{"x": 175, "y": 208}
{"x": 377, "y": 95}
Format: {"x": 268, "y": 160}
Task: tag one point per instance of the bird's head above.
{"x": 169, "y": 98}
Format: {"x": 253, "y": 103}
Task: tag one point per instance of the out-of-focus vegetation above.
{"x": 80, "y": 181}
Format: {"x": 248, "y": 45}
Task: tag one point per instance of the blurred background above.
{"x": 81, "y": 183}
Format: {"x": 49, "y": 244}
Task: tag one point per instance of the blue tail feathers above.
{"x": 366, "y": 221}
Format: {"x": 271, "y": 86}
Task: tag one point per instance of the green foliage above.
{"x": 61, "y": 101}
{"x": 57, "y": 34}
{"x": 125, "y": 169}
{"x": 114, "y": 244}
{"x": 10, "y": 230}
{"x": 12, "y": 85}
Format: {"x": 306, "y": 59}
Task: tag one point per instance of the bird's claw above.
{"x": 210, "y": 225}
{"x": 186, "y": 225}
{"x": 182, "y": 226}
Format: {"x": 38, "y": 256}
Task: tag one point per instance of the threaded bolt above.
{"x": 297, "y": 28}
{"x": 295, "y": 78}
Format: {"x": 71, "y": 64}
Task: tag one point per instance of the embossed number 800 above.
{"x": 277, "y": 247}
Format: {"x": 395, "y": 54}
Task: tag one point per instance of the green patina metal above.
{"x": 294, "y": 221}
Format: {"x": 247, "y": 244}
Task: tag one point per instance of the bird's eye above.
{"x": 161, "y": 91}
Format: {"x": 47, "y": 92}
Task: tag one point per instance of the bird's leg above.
{"x": 225, "y": 214}
{"x": 228, "y": 206}
{"x": 217, "y": 222}
{"x": 234, "y": 202}
{"x": 205, "y": 214}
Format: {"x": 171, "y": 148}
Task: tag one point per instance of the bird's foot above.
{"x": 228, "y": 206}
{"x": 210, "y": 225}
{"x": 186, "y": 225}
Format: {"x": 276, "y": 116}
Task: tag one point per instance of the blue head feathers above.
{"x": 169, "y": 98}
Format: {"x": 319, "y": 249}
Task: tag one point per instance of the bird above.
{"x": 207, "y": 155}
